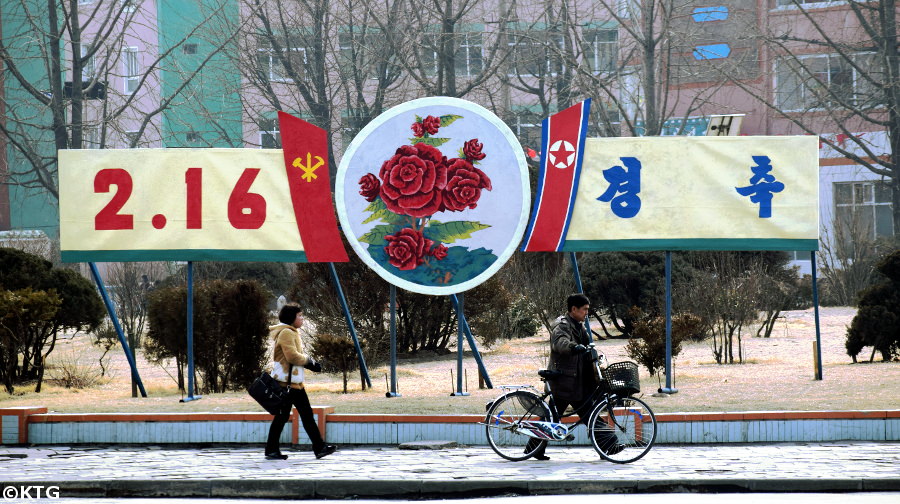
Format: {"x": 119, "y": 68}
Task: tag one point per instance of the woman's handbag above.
{"x": 269, "y": 393}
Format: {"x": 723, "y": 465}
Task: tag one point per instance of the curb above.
{"x": 353, "y": 488}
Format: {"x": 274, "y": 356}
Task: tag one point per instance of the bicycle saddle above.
{"x": 549, "y": 373}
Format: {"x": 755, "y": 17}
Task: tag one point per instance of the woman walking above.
{"x": 290, "y": 361}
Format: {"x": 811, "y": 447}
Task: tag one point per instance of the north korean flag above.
{"x": 561, "y": 153}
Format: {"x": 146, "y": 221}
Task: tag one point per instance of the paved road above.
{"x": 670, "y": 498}
{"x": 468, "y": 471}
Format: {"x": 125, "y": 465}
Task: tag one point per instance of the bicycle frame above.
{"x": 538, "y": 429}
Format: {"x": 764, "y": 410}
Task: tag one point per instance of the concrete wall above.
{"x": 36, "y": 426}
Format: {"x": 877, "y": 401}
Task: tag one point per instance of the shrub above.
{"x": 877, "y": 323}
{"x": 21, "y": 310}
{"x": 617, "y": 281}
{"x": 80, "y": 309}
{"x": 336, "y": 353}
{"x": 230, "y": 333}
{"x": 71, "y": 370}
{"x": 648, "y": 344}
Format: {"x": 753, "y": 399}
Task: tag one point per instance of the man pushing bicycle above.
{"x": 572, "y": 379}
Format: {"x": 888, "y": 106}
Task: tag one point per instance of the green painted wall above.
{"x": 29, "y": 208}
{"x": 210, "y": 107}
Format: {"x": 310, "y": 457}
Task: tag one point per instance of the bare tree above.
{"x": 45, "y": 42}
{"x": 839, "y": 70}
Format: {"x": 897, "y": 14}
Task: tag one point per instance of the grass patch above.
{"x": 779, "y": 378}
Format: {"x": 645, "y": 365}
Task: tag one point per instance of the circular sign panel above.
{"x": 433, "y": 195}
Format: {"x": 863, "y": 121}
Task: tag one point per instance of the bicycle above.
{"x": 622, "y": 428}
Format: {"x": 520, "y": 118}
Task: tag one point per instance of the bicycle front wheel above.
{"x": 624, "y": 432}
{"x": 503, "y": 422}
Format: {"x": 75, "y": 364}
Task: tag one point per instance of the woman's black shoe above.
{"x": 275, "y": 456}
{"x": 325, "y": 451}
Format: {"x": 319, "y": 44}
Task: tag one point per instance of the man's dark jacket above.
{"x": 577, "y": 380}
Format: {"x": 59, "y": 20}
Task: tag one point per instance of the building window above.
{"x": 132, "y": 72}
{"x": 863, "y": 210}
{"x": 269, "y": 134}
{"x": 808, "y": 4}
{"x": 129, "y": 5}
{"x": 823, "y": 80}
{"x": 87, "y": 65}
{"x": 601, "y": 49}
{"x": 132, "y": 138}
{"x": 189, "y": 48}
{"x": 526, "y": 124}
{"x": 359, "y": 50}
{"x": 468, "y": 54}
{"x": 352, "y": 122}
{"x": 468, "y": 57}
{"x": 273, "y": 65}
{"x": 629, "y": 8}
{"x": 90, "y": 137}
{"x": 535, "y": 52}
{"x": 192, "y": 137}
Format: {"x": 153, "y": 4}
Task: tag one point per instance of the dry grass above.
{"x": 777, "y": 375}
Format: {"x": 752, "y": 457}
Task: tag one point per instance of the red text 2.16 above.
{"x": 246, "y": 210}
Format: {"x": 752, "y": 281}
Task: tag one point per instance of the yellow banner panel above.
{"x": 176, "y": 204}
{"x": 707, "y": 193}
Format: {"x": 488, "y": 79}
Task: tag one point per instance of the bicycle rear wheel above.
{"x": 623, "y": 433}
{"x": 504, "y": 418}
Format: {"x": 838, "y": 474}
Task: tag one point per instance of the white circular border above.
{"x": 390, "y": 114}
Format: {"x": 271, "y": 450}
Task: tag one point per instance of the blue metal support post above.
{"x": 363, "y": 370}
{"x": 587, "y": 319}
{"x": 471, "y": 339}
{"x": 190, "y": 333}
{"x": 668, "y": 389}
{"x": 115, "y": 320}
{"x": 393, "y": 391}
{"x": 815, "y": 289}
{"x": 459, "y": 346}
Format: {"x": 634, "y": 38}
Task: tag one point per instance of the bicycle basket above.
{"x": 622, "y": 378}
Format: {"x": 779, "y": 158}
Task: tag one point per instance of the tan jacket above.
{"x": 288, "y": 350}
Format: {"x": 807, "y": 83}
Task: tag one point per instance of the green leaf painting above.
{"x": 447, "y": 120}
{"x": 449, "y": 232}
{"x": 381, "y": 213}
{"x": 432, "y": 141}
{"x": 377, "y": 234}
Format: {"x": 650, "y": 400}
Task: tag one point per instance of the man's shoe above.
{"x": 276, "y": 456}
{"x": 616, "y": 448}
{"x": 541, "y": 457}
{"x": 326, "y": 451}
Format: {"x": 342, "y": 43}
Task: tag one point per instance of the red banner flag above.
{"x": 561, "y": 152}
{"x": 305, "y": 148}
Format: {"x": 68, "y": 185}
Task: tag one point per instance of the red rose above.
{"x": 369, "y": 187}
{"x": 439, "y": 252}
{"x": 472, "y": 150}
{"x": 412, "y": 180}
{"x": 407, "y": 248}
{"x": 418, "y": 130}
{"x": 464, "y": 185}
{"x": 431, "y": 124}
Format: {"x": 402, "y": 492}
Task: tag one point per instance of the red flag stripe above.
{"x": 558, "y": 181}
{"x": 305, "y": 148}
